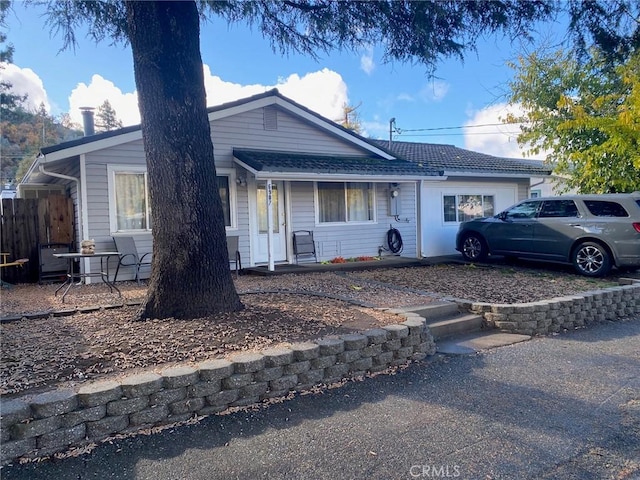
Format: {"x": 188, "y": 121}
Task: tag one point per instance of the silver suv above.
{"x": 593, "y": 232}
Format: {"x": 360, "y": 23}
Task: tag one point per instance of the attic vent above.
{"x": 270, "y": 118}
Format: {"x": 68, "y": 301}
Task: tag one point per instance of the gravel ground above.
{"x": 64, "y": 350}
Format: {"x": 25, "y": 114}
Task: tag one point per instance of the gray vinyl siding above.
{"x": 353, "y": 240}
{"x": 99, "y": 228}
{"x": 246, "y": 130}
{"x": 242, "y": 212}
{"x": 523, "y": 189}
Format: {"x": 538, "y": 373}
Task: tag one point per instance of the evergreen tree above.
{"x": 106, "y": 118}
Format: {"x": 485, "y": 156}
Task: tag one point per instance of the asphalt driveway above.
{"x": 564, "y": 406}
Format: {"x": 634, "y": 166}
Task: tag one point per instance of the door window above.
{"x": 262, "y": 208}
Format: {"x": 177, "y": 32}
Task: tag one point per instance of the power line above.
{"x": 457, "y": 134}
{"x": 402, "y": 130}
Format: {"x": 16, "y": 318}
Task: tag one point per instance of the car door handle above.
{"x": 575, "y": 225}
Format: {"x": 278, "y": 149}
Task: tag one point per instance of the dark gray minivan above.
{"x": 593, "y": 232}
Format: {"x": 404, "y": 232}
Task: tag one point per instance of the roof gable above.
{"x": 271, "y": 97}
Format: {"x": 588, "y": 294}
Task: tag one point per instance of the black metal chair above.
{"x": 129, "y": 256}
{"x": 234, "y": 253}
{"x": 304, "y": 245}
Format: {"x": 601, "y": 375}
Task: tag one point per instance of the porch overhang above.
{"x": 279, "y": 165}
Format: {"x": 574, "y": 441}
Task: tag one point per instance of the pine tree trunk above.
{"x": 190, "y": 272}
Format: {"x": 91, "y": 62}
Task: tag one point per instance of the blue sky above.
{"x": 239, "y": 63}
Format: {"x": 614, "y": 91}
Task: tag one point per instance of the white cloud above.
{"x": 367, "y": 63}
{"x": 94, "y": 95}
{"x": 404, "y": 97}
{"x": 495, "y": 138}
{"x": 323, "y": 91}
{"x": 25, "y": 81}
{"x": 434, "y": 91}
{"x": 376, "y": 128}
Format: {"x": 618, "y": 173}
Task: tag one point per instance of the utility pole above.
{"x": 392, "y": 124}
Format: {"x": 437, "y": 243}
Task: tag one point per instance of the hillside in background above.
{"x": 24, "y": 134}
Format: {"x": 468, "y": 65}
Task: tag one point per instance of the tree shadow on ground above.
{"x": 519, "y": 398}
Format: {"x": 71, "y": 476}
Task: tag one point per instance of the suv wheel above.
{"x": 474, "y": 248}
{"x": 591, "y": 259}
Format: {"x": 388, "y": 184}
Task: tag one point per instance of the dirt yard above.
{"x": 105, "y": 340}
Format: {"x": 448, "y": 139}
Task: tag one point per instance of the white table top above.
{"x": 84, "y": 255}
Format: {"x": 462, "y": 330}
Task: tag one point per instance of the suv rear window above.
{"x": 601, "y": 208}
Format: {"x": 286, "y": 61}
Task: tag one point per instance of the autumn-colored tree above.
{"x": 586, "y": 117}
{"x": 350, "y": 118}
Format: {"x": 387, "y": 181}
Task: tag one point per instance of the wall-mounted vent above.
{"x": 270, "y": 118}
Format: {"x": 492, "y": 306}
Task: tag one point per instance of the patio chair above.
{"x": 129, "y": 256}
{"x": 234, "y": 253}
{"x": 52, "y": 268}
{"x": 304, "y": 245}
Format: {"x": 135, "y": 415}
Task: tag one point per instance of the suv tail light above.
{"x": 636, "y": 225}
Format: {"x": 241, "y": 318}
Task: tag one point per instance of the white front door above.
{"x": 279, "y": 237}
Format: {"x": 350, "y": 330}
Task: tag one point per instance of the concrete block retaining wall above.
{"x": 40, "y": 425}
{"x": 552, "y": 316}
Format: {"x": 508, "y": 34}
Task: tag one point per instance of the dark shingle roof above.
{"x": 450, "y": 158}
{"x": 288, "y": 162}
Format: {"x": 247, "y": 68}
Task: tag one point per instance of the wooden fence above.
{"x": 28, "y": 223}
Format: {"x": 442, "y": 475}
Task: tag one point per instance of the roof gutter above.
{"x": 304, "y": 176}
{"x": 455, "y": 173}
{"x": 60, "y": 175}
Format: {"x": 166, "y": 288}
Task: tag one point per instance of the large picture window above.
{"x": 460, "y": 208}
{"x": 341, "y": 202}
{"x": 129, "y": 199}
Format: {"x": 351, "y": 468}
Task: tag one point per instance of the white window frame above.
{"x": 316, "y": 202}
{"x": 233, "y": 205}
{"x": 112, "y": 170}
{"x": 456, "y": 196}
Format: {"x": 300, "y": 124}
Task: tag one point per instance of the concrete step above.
{"x": 435, "y": 311}
{"x": 460, "y": 333}
{"x": 457, "y": 325}
{"x": 474, "y": 342}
